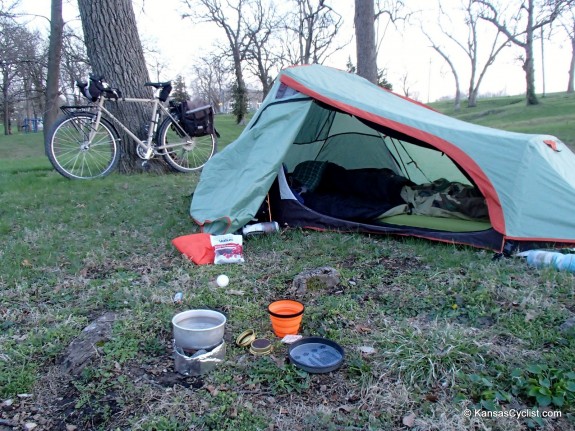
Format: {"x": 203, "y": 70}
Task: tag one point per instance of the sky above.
{"x": 405, "y": 53}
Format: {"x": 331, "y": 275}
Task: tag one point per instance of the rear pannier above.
{"x": 197, "y": 121}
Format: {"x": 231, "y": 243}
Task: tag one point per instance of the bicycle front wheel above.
{"x": 182, "y": 152}
{"x": 78, "y": 150}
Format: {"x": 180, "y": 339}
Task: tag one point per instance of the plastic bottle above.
{"x": 567, "y": 263}
{"x": 541, "y": 258}
{"x": 560, "y": 261}
{"x": 260, "y": 228}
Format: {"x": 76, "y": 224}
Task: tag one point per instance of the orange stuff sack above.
{"x": 197, "y": 247}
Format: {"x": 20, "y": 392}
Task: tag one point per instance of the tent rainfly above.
{"x": 333, "y": 151}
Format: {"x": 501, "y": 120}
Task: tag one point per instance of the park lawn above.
{"x": 429, "y": 329}
{"x": 554, "y": 115}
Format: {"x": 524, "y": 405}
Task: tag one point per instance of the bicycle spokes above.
{"x": 78, "y": 150}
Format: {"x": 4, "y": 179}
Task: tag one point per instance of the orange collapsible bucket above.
{"x": 286, "y": 315}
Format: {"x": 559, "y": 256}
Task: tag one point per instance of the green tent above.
{"x": 320, "y": 114}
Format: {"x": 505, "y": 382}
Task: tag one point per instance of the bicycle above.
{"x": 84, "y": 143}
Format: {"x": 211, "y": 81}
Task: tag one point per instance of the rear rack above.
{"x": 70, "y": 109}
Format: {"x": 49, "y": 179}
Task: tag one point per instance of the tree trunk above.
{"x": 528, "y": 65}
{"x": 54, "y": 57}
{"x": 570, "y": 83}
{"x": 364, "y": 21}
{"x": 6, "y": 103}
{"x": 457, "y": 101}
{"x": 115, "y": 51}
{"x": 241, "y": 92}
{"x": 472, "y": 99}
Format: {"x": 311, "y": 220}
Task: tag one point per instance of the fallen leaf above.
{"x": 346, "y": 408}
{"x": 235, "y": 292}
{"x": 26, "y": 263}
{"x": 367, "y": 350}
{"x": 212, "y": 390}
{"x": 409, "y": 420}
{"x": 353, "y": 398}
{"x": 363, "y": 329}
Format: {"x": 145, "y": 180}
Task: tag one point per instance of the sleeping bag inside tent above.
{"x": 329, "y": 150}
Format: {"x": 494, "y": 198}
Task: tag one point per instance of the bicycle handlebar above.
{"x": 158, "y": 84}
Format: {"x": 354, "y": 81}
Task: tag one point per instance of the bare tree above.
{"x": 406, "y": 85}
{"x": 20, "y": 67}
{"x": 156, "y": 63}
{"x": 567, "y": 21}
{"x": 471, "y": 48}
{"x": 371, "y": 21}
{"x": 75, "y": 64}
{"x": 7, "y": 8}
{"x": 388, "y": 13}
{"x": 212, "y": 80}
{"x": 53, "y": 70}
{"x": 311, "y": 30}
{"x": 115, "y": 51}
{"x": 364, "y": 22}
{"x": 231, "y": 16}
{"x": 468, "y": 43}
{"x": 8, "y": 74}
{"x": 442, "y": 52}
{"x": 33, "y": 76}
{"x": 520, "y": 29}
{"x": 261, "y": 59}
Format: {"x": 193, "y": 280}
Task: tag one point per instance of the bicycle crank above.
{"x": 144, "y": 153}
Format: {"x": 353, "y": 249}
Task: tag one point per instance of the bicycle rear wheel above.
{"x": 182, "y": 152}
{"x": 74, "y": 155}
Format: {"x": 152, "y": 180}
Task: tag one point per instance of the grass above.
{"x": 554, "y": 115}
{"x": 429, "y": 329}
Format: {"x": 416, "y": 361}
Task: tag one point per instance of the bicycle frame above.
{"x": 157, "y": 109}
